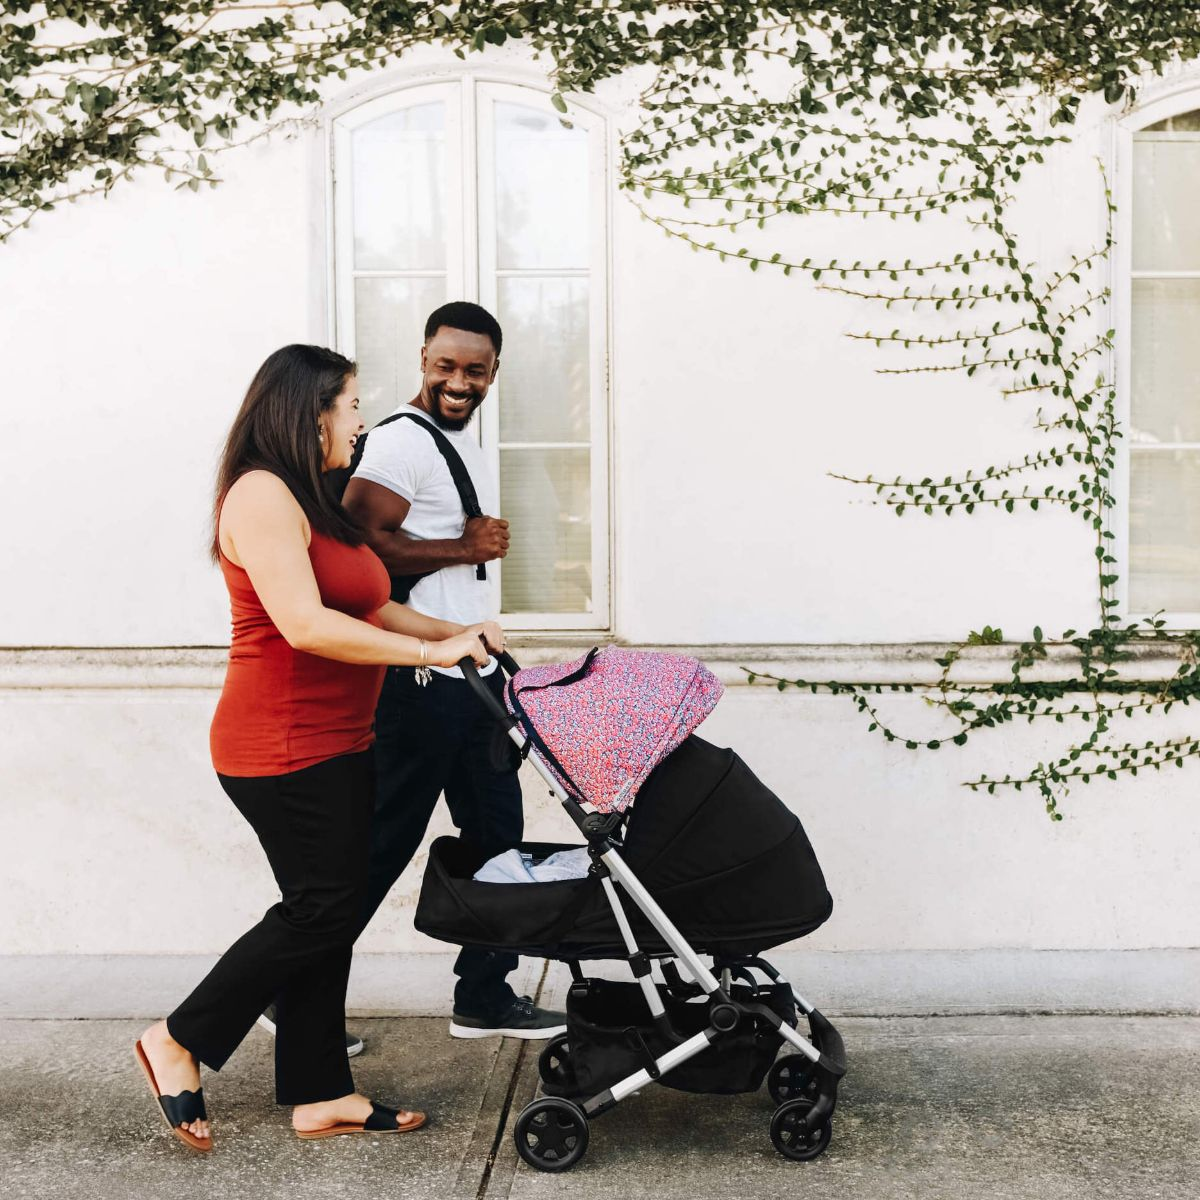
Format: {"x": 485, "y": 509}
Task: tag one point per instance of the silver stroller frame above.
{"x": 552, "y": 1132}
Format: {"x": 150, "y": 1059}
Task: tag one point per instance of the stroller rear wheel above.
{"x": 552, "y": 1134}
{"x": 792, "y": 1077}
{"x": 554, "y": 1063}
{"x": 790, "y": 1137}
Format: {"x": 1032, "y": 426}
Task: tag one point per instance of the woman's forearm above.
{"x": 332, "y": 634}
{"x": 399, "y": 618}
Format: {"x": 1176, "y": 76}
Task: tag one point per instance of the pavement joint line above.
{"x": 466, "y": 1184}
{"x": 474, "y": 1179}
{"x": 485, "y": 1178}
{"x": 523, "y": 1058}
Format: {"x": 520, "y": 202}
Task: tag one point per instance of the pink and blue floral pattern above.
{"x": 613, "y": 726}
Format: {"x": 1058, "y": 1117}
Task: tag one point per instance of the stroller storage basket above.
{"x": 610, "y": 1036}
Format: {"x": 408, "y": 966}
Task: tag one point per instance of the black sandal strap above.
{"x": 184, "y": 1108}
{"x": 381, "y": 1119}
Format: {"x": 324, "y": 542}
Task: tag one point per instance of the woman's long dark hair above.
{"x": 276, "y": 430}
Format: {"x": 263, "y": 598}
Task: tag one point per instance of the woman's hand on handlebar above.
{"x": 492, "y": 635}
{"x": 450, "y": 651}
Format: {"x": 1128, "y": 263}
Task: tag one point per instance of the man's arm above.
{"x": 381, "y": 513}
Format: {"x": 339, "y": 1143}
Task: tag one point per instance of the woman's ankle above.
{"x": 158, "y": 1036}
{"x": 326, "y": 1112}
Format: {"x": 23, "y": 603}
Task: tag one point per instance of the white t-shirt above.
{"x": 405, "y": 459}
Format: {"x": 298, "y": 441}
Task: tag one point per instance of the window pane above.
{"x": 389, "y": 319}
{"x": 544, "y": 373}
{"x": 541, "y": 190}
{"x": 399, "y": 168}
{"x": 1165, "y": 361}
{"x": 1164, "y": 531}
{"x": 546, "y": 497}
{"x": 1166, "y": 216}
{"x": 1179, "y": 122}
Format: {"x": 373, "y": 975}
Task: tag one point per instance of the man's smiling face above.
{"x": 458, "y": 368}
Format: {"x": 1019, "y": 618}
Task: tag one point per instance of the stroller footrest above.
{"x": 827, "y": 1039}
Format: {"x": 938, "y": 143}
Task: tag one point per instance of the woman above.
{"x": 313, "y": 634}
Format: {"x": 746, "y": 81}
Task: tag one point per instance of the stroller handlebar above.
{"x": 485, "y": 694}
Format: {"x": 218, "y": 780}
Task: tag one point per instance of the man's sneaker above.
{"x": 354, "y": 1044}
{"x": 523, "y": 1020}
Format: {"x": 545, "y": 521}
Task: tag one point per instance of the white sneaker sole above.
{"x": 352, "y": 1048}
{"x": 529, "y": 1035}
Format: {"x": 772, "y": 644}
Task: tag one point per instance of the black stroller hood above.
{"x": 730, "y": 865}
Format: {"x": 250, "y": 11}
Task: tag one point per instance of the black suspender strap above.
{"x": 458, "y": 472}
{"x": 463, "y": 484}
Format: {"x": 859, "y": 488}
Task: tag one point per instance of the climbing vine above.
{"x": 748, "y": 117}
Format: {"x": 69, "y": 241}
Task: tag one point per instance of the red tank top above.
{"x": 283, "y": 709}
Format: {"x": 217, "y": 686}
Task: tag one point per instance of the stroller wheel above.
{"x": 792, "y": 1077}
{"x": 552, "y": 1134}
{"x": 790, "y": 1137}
{"x": 554, "y": 1063}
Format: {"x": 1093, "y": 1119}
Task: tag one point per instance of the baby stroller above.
{"x": 713, "y": 864}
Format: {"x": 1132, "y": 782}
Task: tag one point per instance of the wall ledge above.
{"x": 904, "y": 664}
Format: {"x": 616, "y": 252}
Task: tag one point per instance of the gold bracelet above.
{"x": 423, "y": 673}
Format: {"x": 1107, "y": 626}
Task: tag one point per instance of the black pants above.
{"x": 314, "y": 825}
{"x": 430, "y": 740}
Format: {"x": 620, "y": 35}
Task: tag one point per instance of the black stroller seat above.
{"x": 728, "y": 862}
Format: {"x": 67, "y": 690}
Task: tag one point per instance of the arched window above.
{"x": 1163, "y": 372}
{"x": 477, "y": 190}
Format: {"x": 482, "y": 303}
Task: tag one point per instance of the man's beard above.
{"x": 445, "y": 422}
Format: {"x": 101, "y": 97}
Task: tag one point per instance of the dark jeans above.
{"x": 314, "y": 825}
{"x": 430, "y": 740}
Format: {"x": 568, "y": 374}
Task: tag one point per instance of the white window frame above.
{"x": 1183, "y": 96}
{"x": 471, "y": 273}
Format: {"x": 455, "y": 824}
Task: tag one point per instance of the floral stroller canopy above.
{"x": 606, "y": 720}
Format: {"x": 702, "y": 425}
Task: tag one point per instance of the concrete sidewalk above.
{"x": 1036, "y": 1107}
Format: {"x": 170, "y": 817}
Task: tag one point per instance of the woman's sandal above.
{"x": 177, "y": 1110}
{"x": 381, "y": 1120}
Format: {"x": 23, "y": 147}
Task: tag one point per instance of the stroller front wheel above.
{"x": 551, "y": 1134}
{"x": 554, "y": 1063}
{"x": 792, "y": 1077}
{"x": 792, "y": 1139}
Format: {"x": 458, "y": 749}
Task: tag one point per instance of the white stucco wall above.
{"x": 128, "y": 332}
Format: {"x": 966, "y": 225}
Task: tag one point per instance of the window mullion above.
{"x": 598, "y": 355}
{"x": 469, "y": 281}
{"x": 483, "y": 233}
{"x": 343, "y": 254}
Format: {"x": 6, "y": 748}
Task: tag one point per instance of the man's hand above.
{"x": 382, "y": 512}
{"x": 484, "y": 538}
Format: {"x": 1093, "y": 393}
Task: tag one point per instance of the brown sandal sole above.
{"x": 189, "y": 1139}
{"x": 417, "y": 1119}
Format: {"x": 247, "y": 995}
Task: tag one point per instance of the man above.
{"x": 437, "y": 738}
